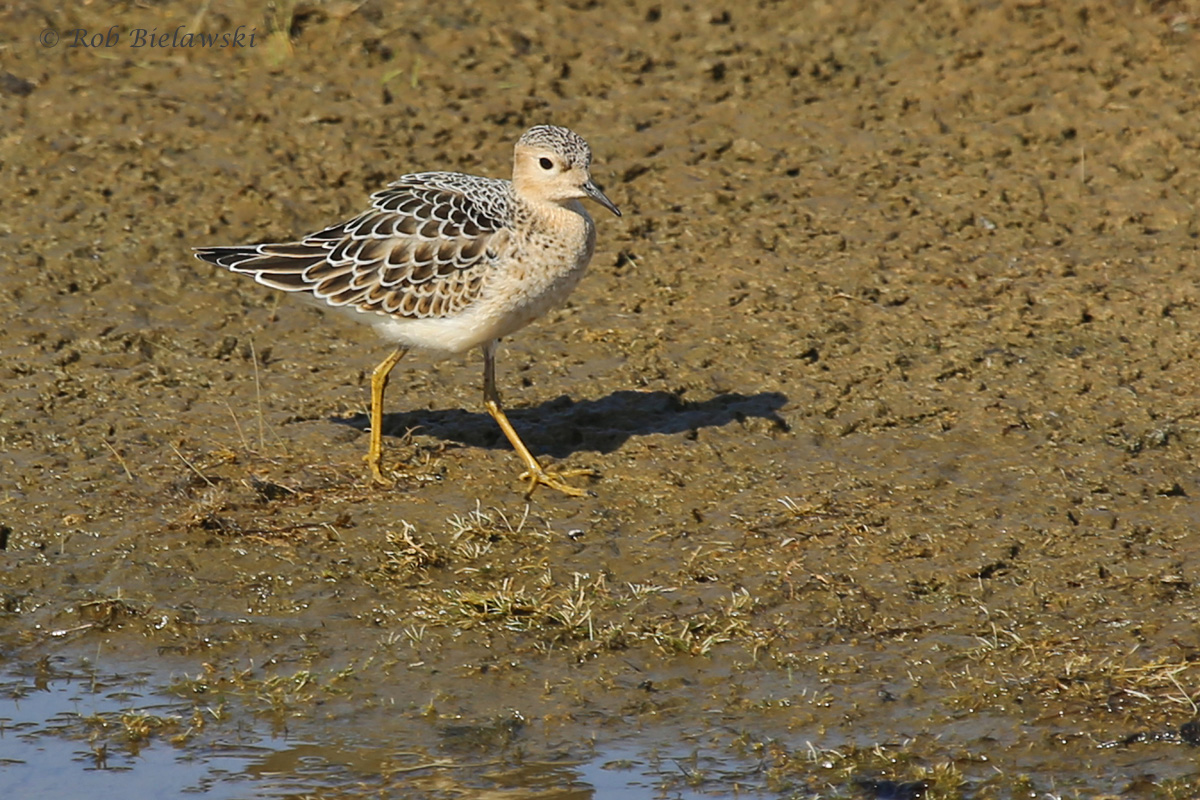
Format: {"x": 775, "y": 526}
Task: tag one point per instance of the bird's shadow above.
{"x": 562, "y": 426}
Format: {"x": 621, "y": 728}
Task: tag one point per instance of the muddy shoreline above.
{"x": 888, "y": 373}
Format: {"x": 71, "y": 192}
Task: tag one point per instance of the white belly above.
{"x": 536, "y": 275}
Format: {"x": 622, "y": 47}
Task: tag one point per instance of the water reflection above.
{"x": 78, "y": 734}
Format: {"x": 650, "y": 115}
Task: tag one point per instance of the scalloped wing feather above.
{"x": 422, "y": 250}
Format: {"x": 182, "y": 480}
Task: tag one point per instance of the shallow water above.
{"x": 71, "y": 736}
{"x": 79, "y": 732}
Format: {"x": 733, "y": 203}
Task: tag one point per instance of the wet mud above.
{"x": 888, "y": 374}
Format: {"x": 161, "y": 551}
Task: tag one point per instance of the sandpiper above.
{"x": 446, "y": 262}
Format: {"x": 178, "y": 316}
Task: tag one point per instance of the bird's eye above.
{"x": 546, "y": 163}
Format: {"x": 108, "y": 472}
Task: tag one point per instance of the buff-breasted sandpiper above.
{"x": 446, "y": 262}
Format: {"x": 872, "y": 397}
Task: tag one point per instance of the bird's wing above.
{"x": 422, "y": 250}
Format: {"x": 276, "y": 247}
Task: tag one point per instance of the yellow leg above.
{"x": 533, "y": 470}
{"x": 379, "y": 382}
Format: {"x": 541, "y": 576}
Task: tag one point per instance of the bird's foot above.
{"x": 378, "y": 477}
{"x": 555, "y": 480}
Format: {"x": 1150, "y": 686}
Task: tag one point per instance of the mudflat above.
{"x": 888, "y": 373}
